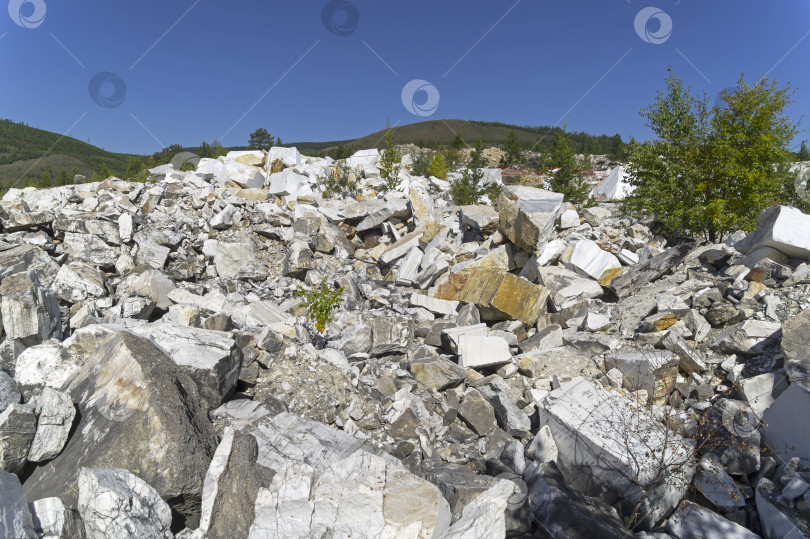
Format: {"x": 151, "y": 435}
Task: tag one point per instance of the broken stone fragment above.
{"x": 56, "y": 414}
{"x": 654, "y": 372}
{"x": 231, "y": 485}
{"x": 18, "y": 425}
{"x": 691, "y": 520}
{"x": 477, "y": 413}
{"x": 115, "y": 503}
{"x": 481, "y": 218}
{"x": 30, "y": 311}
{"x": 15, "y": 517}
{"x": 53, "y": 519}
{"x": 782, "y": 228}
{"x": 590, "y": 424}
{"x": 590, "y": 260}
{"x": 528, "y": 215}
{"x": 133, "y": 398}
{"x": 563, "y": 512}
{"x": 479, "y": 351}
{"x": 437, "y": 373}
{"x": 750, "y": 337}
{"x": 497, "y": 294}
{"x": 77, "y": 281}
{"x": 636, "y": 277}
{"x": 229, "y": 256}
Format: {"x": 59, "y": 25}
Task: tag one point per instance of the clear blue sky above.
{"x": 197, "y": 70}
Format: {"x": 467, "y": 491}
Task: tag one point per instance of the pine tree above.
{"x": 567, "y": 179}
{"x": 616, "y": 151}
{"x": 514, "y": 151}
{"x": 804, "y": 153}
{"x": 45, "y": 181}
{"x": 465, "y": 190}
{"x": 457, "y": 143}
{"x": 63, "y": 178}
{"x": 261, "y": 140}
{"x": 205, "y": 150}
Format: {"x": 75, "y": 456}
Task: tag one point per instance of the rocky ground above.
{"x": 515, "y": 369}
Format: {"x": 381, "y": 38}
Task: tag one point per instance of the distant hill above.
{"x": 27, "y": 152}
{"x": 434, "y": 133}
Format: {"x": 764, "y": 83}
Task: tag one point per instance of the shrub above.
{"x": 341, "y": 181}
{"x": 320, "y": 303}
{"x": 438, "y": 167}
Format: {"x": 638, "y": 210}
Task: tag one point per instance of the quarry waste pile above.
{"x": 519, "y": 368}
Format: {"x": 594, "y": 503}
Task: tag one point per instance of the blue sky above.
{"x": 199, "y": 70}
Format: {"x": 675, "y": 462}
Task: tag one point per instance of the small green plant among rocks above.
{"x": 390, "y": 161}
{"x": 340, "y": 181}
{"x": 466, "y": 190}
{"x": 320, "y": 303}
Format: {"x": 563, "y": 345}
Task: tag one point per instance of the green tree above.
{"x": 421, "y": 163}
{"x": 390, "y": 160}
{"x": 63, "y": 178}
{"x": 457, "y": 143}
{"x": 616, "y": 149}
{"x": 73, "y": 173}
{"x": 567, "y": 179}
{"x": 260, "y": 140}
{"x": 217, "y": 150}
{"x": 804, "y": 153}
{"x": 45, "y": 181}
{"x": 438, "y": 167}
{"x": 205, "y": 150}
{"x": 514, "y": 151}
{"x": 134, "y": 169}
{"x": 711, "y": 170}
